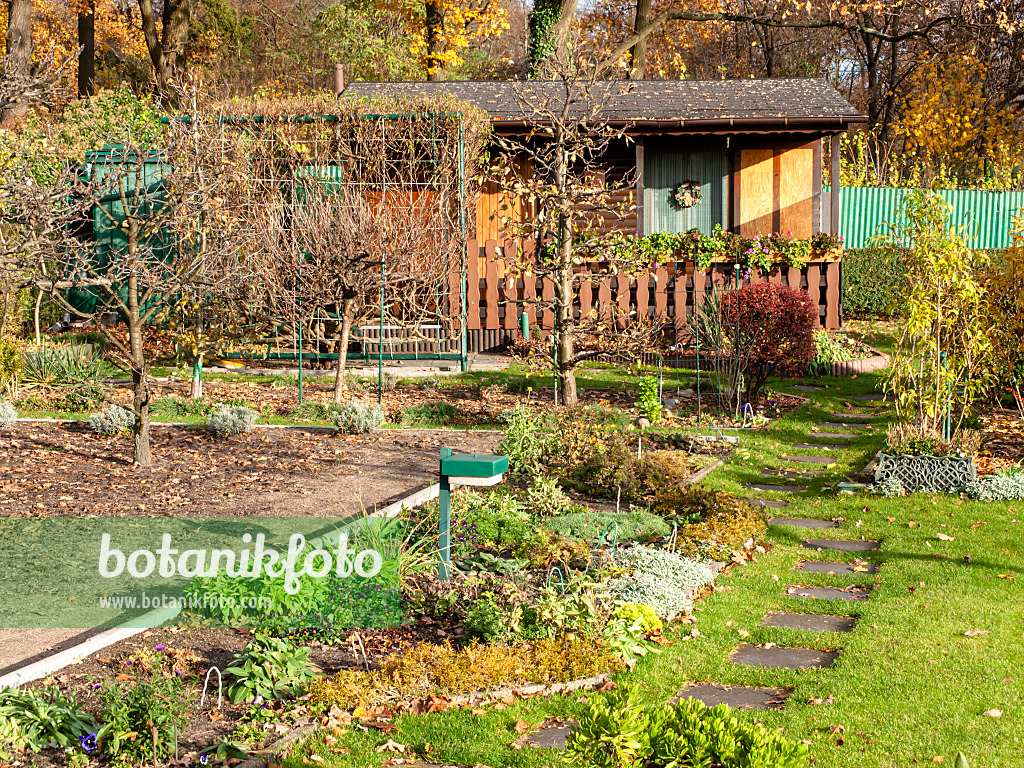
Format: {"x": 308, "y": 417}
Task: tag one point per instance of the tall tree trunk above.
{"x": 140, "y": 405}
{"x": 19, "y": 53}
{"x": 167, "y": 50}
{"x": 346, "y": 329}
{"x": 87, "y": 56}
{"x": 435, "y": 42}
{"x": 550, "y": 27}
{"x": 638, "y": 53}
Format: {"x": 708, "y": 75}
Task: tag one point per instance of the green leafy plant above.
{"x": 545, "y": 497}
{"x": 492, "y": 519}
{"x": 63, "y": 365}
{"x": 176, "y": 408}
{"x": 8, "y": 416}
{"x": 1003, "y": 485}
{"x": 712, "y": 523}
{"x": 937, "y": 368}
{"x": 648, "y": 401}
{"x": 826, "y": 352}
{"x": 112, "y": 420}
{"x": 875, "y": 283}
{"x": 627, "y": 638}
{"x": 11, "y": 364}
{"x": 545, "y": 548}
{"x": 269, "y": 667}
{"x": 33, "y": 719}
{"x": 634, "y": 525}
{"x": 230, "y": 420}
{"x": 649, "y": 621}
{"x": 615, "y": 731}
{"x": 434, "y": 414}
{"x": 132, "y": 710}
{"x": 661, "y": 579}
{"x": 356, "y": 417}
{"x": 524, "y": 441}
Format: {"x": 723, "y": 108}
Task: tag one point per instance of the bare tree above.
{"x": 565, "y": 194}
{"x": 167, "y": 42}
{"x": 142, "y": 229}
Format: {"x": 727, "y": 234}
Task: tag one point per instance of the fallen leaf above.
{"x": 938, "y": 759}
{"x": 521, "y": 726}
{"x": 478, "y": 712}
{"x": 976, "y": 632}
{"x": 316, "y": 758}
{"x": 993, "y": 713}
{"x": 391, "y": 746}
{"x": 944, "y": 537}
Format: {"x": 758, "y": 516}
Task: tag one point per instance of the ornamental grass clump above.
{"x": 8, "y": 416}
{"x": 112, "y": 420}
{"x": 356, "y": 417}
{"x": 230, "y": 420}
{"x": 661, "y": 579}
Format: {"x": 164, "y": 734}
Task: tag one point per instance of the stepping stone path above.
{"x": 836, "y": 569}
{"x": 841, "y": 545}
{"x": 843, "y": 425}
{"x": 810, "y": 459}
{"x": 803, "y": 522}
{"x": 873, "y": 397}
{"x": 815, "y": 446}
{"x": 782, "y": 658}
{"x": 771, "y": 487}
{"x": 828, "y": 593}
{"x": 810, "y": 622}
{"x": 735, "y": 696}
{"x": 836, "y": 436}
{"x": 773, "y": 503}
{"x": 551, "y": 736}
{"x": 867, "y": 416}
{"x": 776, "y": 472}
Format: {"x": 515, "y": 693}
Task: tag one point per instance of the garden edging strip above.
{"x": 56, "y": 662}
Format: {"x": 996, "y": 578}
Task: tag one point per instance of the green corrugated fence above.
{"x": 866, "y": 211}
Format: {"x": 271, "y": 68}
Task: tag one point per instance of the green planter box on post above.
{"x": 461, "y": 469}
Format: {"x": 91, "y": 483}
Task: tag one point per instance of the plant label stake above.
{"x": 220, "y": 687}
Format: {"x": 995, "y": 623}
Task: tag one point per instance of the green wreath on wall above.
{"x": 687, "y": 194}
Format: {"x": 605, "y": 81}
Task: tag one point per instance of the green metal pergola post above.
{"x": 463, "y": 269}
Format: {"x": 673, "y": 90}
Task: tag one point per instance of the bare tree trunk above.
{"x": 6, "y": 316}
{"x": 19, "y": 53}
{"x": 87, "y": 56}
{"x": 166, "y": 51}
{"x": 638, "y": 53}
{"x": 346, "y": 329}
{"x": 435, "y": 45}
{"x": 35, "y": 315}
{"x": 140, "y": 431}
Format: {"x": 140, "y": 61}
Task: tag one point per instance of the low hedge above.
{"x": 874, "y": 283}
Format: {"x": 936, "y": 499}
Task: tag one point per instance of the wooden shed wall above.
{"x": 777, "y": 188}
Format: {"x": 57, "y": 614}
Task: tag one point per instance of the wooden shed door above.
{"x": 776, "y": 191}
{"x": 671, "y": 162}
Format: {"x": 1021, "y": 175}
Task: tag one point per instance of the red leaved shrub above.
{"x": 776, "y": 332}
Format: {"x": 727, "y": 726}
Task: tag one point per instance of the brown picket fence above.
{"x": 497, "y": 300}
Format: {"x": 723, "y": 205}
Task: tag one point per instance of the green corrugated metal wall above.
{"x": 666, "y": 165}
{"x": 987, "y": 216}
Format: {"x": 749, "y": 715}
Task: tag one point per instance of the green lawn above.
{"x": 909, "y": 687}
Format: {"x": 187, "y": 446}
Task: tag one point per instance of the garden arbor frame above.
{"x": 405, "y": 163}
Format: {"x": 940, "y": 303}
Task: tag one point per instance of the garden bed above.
{"x": 50, "y": 469}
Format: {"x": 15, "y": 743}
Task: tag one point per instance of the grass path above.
{"x": 910, "y": 686}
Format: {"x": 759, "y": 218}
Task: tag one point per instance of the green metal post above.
{"x": 524, "y": 324}
{"x": 197, "y": 371}
{"x": 463, "y": 270}
{"x": 444, "y": 523}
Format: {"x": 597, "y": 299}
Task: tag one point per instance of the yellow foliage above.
{"x": 464, "y": 22}
{"x": 1004, "y": 288}
{"x": 441, "y": 670}
{"x": 55, "y": 28}
{"x": 948, "y": 115}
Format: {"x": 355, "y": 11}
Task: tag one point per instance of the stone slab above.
{"x": 873, "y": 397}
{"x": 783, "y": 658}
{"x": 803, "y": 522}
{"x": 773, "y": 503}
{"x": 841, "y": 545}
{"x": 800, "y": 459}
{"x": 771, "y": 487}
{"x": 809, "y": 622}
{"x": 844, "y": 425}
{"x": 828, "y": 593}
{"x": 777, "y": 472}
{"x": 735, "y": 696}
{"x": 551, "y": 737}
{"x": 805, "y": 387}
{"x": 824, "y": 566}
{"x": 864, "y": 416}
{"x": 815, "y": 446}
{"x": 836, "y": 436}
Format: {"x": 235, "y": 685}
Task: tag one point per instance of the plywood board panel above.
{"x": 796, "y": 192}
{"x": 756, "y": 191}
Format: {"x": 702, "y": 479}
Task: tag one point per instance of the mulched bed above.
{"x": 51, "y": 469}
{"x": 1002, "y": 442}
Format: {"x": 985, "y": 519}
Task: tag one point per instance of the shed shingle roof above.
{"x": 801, "y": 100}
